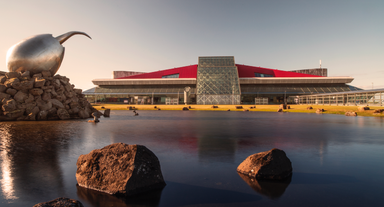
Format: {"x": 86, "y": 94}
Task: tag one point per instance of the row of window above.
{"x": 171, "y": 76}
{"x": 262, "y": 75}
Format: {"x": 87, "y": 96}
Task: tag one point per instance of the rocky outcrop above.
{"x": 41, "y": 97}
{"x": 60, "y": 202}
{"x": 120, "y": 169}
{"x": 273, "y": 164}
{"x": 350, "y": 113}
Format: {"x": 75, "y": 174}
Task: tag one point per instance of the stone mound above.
{"x": 60, "y": 202}
{"x": 273, "y": 164}
{"x": 120, "y": 169}
{"x": 41, "y": 97}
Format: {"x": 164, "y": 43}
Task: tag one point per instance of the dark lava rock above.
{"x": 107, "y": 112}
{"x": 120, "y": 169}
{"x": 60, "y": 202}
{"x": 273, "y": 164}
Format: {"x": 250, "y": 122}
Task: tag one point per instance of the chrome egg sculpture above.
{"x": 38, "y": 53}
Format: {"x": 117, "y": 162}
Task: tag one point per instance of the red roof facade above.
{"x": 245, "y": 71}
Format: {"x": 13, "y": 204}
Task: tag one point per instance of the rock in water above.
{"x": 120, "y": 169}
{"x": 273, "y": 164}
{"x": 60, "y": 202}
{"x": 107, "y": 112}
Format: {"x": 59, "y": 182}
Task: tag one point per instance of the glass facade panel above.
{"x": 217, "y": 81}
{"x": 171, "y": 76}
{"x": 262, "y": 75}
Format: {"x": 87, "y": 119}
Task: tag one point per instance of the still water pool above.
{"x": 336, "y": 160}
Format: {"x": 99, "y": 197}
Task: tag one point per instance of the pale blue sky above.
{"x": 347, "y": 35}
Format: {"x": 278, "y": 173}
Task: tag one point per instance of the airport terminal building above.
{"x": 215, "y": 80}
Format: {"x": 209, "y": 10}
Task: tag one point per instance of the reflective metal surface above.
{"x": 38, "y": 53}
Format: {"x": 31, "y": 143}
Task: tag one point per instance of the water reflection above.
{"x": 268, "y": 188}
{"x": 30, "y": 159}
{"x": 99, "y": 199}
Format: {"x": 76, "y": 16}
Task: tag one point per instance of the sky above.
{"x": 346, "y": 35}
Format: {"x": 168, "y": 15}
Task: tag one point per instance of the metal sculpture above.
{"x": 38, "y": 53}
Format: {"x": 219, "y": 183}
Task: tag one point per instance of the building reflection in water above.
{"x": 29, "y": 156}
{"x": 268, "y": 188}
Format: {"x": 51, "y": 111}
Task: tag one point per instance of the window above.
{"x": 171, "y": 76}
{"x": 262, "y": 75}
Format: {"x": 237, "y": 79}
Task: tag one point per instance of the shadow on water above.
{"x": 269, "y": 188}
{"x": 100, "y": 199}
{"x": 173, "y": 194}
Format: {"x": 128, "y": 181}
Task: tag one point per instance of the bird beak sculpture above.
{"x": 38, "y": 53}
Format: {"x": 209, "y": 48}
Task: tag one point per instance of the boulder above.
{"x": 39, "y": 82}
{"x": 272, "y": 165}
{"x": 60, "y": 202}
{"x": 3, "y": 79}
{"x": 11, "y": 91}
{"x": 44, "y": 106}
{"x": 350, "y": 113}
{"x": 4, "y": 95}
{"x": 42, "y": 115}
{"x": 30, "y": 98}
{"x": 9, "y": 105}
{"x": 3, "y": 88}
{"x": 63, "y": 114}
{"x": 29, "y": 107}
{"x": 15, "y": 114}
{"x": 120, "y": 169}
{"x": 36, "y": 91}
{"x": 107, "y": 112}
{"x": 20, "y": 97}
{"x": 32, "y": 116}
{"x": 46, "y": 96}
{"x": 25, "y": 85}
{"x": 10, "y": 75}
{"x": 57, "y": 104}
{"x": 13, "y": 82}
